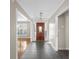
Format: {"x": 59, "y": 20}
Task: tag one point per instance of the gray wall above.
{"x": 63, "y": 31}
{"x": 12, "y": 30}
{"x": 67, "y": 29}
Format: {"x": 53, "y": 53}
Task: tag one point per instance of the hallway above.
{"x": 46, "y": 21}
{"x": 42, "y": 50}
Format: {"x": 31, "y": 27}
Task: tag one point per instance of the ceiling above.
{"x": 34, "y": 7}
{"x": 20, "y": 16}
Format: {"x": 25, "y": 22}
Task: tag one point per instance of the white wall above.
{"x": 54, "y": 19}
{"x": 52, "y": 34}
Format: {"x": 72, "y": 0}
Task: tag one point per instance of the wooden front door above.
{"x": 40, "y": 31}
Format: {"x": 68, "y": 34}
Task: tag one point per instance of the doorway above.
{"x": 63, "y": 31}
{"x": 40, "y": 31}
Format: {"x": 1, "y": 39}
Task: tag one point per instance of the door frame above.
{"x": 56, "y": 25}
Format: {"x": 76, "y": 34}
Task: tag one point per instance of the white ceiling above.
{"x": 34, "y": 7}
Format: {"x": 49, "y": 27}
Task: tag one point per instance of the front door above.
{"x": 40, "y": 31}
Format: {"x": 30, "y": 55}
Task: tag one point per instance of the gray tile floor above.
{"x": 42, "y": 50}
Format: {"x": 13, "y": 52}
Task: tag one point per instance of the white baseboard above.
{"x": 63, "y": 48}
